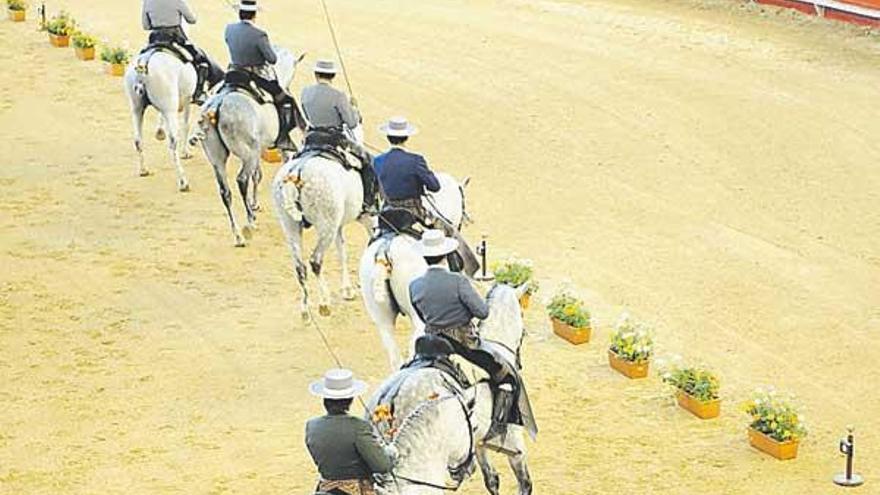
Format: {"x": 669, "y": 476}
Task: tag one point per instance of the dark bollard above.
{"x": 847, "y": 447}
{"x": 42, "y": 11}
{"x": 482, "y": 251}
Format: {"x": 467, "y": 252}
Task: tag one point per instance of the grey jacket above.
{"x": 344, "y": 448}
{"x": 446, "y": 300}
{"x": 326, "y": 106}
{"x": 165, "y": 13}
{"x": 249, "y": 45}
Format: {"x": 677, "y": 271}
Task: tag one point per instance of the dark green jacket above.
{"x": 343, "y": 447}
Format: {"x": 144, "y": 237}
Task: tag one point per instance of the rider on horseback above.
{"x": 343, "y": 446}
{"x": 403, "y": 179}
{"x": 448, "y": 304}
{"x": 333, "y": 117}
{"x": 251, "y": 52}
{"x": 162, "y": 18}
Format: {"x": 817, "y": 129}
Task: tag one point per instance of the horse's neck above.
{"x": 504, "y": 324}
{"x": 432, "y": 441}
{"x": 448, "y": 201}
{"x": 285, "y": 68}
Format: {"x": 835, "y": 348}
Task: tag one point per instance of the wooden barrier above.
{"x": 864, "y": 12}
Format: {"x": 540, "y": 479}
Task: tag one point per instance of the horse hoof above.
{"x": 160, "y": 135}
{"x": 144, "y": 173}
{"x": 248, "y": 231}
{"x": 306, "y": 317}
{"x": 348, "y": 294}
{"x": 324, "y": 310}
{"x": 183, "y": 187}
{"x": 240, "y": 242}
{"x": 186, "y": 156}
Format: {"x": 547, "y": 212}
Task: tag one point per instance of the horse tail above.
{"x": 381, "y": 275}
{"x": 290, "y": 194}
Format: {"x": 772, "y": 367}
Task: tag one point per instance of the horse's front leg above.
{"x": 347, "y": 290}
{"x": 518, "y": 462}
{"x": 490, "y": 475}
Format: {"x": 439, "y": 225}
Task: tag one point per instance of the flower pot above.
{"x": 572, "y": 334}
{"x": 780, "y": 450}
{"x": 272, "y": 155}
{"x": 16, "y": 15}
{"x": 525, "y": 301}
{"x": 116, "y": 70}
{"x": 59, "y": 41}
{"x": 85, "y": 53}
{"x": 700, "y": 409}
{"x": 627, "y": 368}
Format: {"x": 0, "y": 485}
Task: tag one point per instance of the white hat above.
{"x": 435, "y": 243}
{"x": 248, "y": 6}
{"x": 338, "y": 384}
{"x": 398, "y": 127}
{"x": 325, "y": 67}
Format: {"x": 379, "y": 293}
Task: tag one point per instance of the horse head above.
{"x": 285, "y": 67}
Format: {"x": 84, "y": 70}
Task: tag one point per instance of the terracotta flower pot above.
{"x": 780, "y": 450}
{"x": 59, "y": 40}
{"x": 627, "y": 368}
{"x": 116, "y": 70}
{"x": 85, "y": 53}
{"x": 525, "y": 301}
{"x": 572, "y": 334}
{"x": 272, "y": 155}
{"x": 700, "y": 409}
{"x": 16, "y": 15}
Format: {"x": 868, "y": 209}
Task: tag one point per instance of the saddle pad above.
{"x": 147, "y": 53}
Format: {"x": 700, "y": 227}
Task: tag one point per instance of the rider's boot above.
{"x": 202, "y": 70}
{"x": 501, "y": 403}
{"x": 286, "y": 124}
{"x": 370, "y": 183}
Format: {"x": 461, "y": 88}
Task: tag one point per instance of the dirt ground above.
{"x": 711, "y": 167}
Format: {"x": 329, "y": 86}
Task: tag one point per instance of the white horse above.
{"x": 328, "y": 196}
{"x": 388, "y": 266}
{"x": 236, "y": 124}
{"x": 167, "y": 84}
{"x": 438, "y": 432}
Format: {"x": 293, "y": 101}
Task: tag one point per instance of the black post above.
{"x": 483, "y": 250}
{"x": 848, "y": 448}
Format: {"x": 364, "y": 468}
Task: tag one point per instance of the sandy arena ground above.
{"x": 708, "y": 166}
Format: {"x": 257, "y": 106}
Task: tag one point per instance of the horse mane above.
{"x": 413, "y": 425}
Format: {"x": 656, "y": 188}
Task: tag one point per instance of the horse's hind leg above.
{"x": 325, "y": 237}
{"x": 137, "y": 119}
{"x": 293, "y": 233}
{"x": 347, "y": 290}
{"x": 172, "y": 126}
{"x": 218, "y": 155}
{"x": 183, "y": 137}
{"x": 490, "y": 475}
{"x": 518, "y": 462}
{"x": 255, "y": 183}
{"x": 245, "y": 176}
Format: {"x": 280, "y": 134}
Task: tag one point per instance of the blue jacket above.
{"x": 404, "y": 175}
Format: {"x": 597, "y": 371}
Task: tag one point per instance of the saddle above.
{"x": 167, "y": 46}
{"x": 243, "y": 82}
{"x": 328, "y": 143}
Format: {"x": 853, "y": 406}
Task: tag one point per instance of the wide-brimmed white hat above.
{"x": 338, "y": 384}
{"x": 435, "y": 243}
{"x": 248, "y": 6}
{"x": 398, "y": 127}
{"x": 325, "y": 67}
